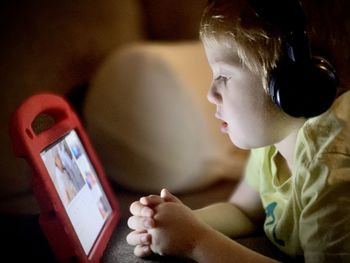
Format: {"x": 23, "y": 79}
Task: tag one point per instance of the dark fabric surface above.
{"x": 24, "y": 241}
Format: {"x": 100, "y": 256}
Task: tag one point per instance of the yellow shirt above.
{"x": 309, "y": 213}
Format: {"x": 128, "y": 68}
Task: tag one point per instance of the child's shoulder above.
{"x": 327, "y": 133}
{"x": 324, "y": 142}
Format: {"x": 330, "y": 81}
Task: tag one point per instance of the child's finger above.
{"x": 167, "y": 196}
{"x": 151, "y": 200}
{"x": 142, "y": 251}
{"x": 136, "y": 238}
{"x": 138, "y": 209}
{"x": 140, "y": 223}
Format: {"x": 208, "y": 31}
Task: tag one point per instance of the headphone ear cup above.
{"x": 322, "y": 86}
{"x": 286, "y": 86}
{"x": 303, "y": 91}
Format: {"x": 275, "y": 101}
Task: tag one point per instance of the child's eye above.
{"x": 222, "y": 78}
{"x": 217, "y": 78}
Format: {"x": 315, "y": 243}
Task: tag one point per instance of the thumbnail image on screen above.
{"x": 78, "y": 187}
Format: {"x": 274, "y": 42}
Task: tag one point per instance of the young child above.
{"x": 276, "y": 98}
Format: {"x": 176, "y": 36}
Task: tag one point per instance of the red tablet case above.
{"x": 30, "y": 135}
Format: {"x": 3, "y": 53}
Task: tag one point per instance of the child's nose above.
{"x": 213, "y": 95}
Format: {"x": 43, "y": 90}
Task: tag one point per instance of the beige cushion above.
{"x": 150, "y": 121}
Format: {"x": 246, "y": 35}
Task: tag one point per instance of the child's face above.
{"x": 249, "y": 117}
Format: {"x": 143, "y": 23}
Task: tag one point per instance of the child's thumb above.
{"x": 167, "y": 196}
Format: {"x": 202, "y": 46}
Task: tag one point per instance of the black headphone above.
{"x": 301, "y": 84}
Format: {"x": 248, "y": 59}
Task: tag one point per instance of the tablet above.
{"x": 78, "y": 209}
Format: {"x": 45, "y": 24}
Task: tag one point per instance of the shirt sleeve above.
{"x": 325, "y": 219}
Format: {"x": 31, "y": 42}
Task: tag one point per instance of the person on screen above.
{"x": 277, "y": 99}
{"x": 64, "y": 186}
{"x": 90, "y": 179}
{"x": 71, "y": 166}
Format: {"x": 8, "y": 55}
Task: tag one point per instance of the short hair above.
{"x": 259, "y": 43}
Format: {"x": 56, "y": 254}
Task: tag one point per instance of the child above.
{"x": 277, "y": 99}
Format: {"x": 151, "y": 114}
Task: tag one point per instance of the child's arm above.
{"x": 240, "y": 216}
{"x": 218, "y": 248}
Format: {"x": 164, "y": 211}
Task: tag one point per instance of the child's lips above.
{"x": 224, "y": 127}
{"x": 224, "y": 124}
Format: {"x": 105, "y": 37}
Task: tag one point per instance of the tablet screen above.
{"x": 78, "y": 187}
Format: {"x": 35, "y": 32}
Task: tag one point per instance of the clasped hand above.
{"x": 163, "y": 225}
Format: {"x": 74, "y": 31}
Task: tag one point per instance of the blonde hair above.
{"x": 259, "y": 44}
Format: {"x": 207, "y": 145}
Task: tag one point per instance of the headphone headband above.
{"x": 302, "y": 85}
{"x": 292, "y": 24}
{"x": 293, "y": 19}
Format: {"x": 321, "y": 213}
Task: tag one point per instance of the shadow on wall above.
{"x": 172, "y": 19}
